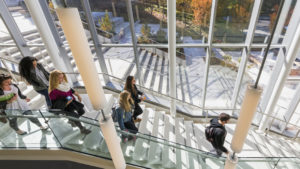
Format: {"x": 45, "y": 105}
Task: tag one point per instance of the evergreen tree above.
{"x": 106, "y": 24}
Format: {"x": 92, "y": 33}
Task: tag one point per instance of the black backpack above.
{"x": 209, "y": 131}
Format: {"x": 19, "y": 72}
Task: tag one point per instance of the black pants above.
{"x": 137, "y": 111}
{"x": 218, "y": 150}
{"x": 14, "y": 125}
{"x": 70, "y": 111}
{"x": 131, "y": 127}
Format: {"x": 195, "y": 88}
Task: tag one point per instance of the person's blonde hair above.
{"x": 124, "y": 102}
{"x": 53, "y": 79}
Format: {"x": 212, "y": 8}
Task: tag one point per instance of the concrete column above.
{"x": 172, "y": 53}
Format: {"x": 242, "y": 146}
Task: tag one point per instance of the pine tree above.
{"x": 106, "y": 24}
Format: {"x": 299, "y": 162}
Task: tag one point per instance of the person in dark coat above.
{"x": 36, "y": 75}
{"x": 62, "y": 97}
{"x": 219, "y": 133}
{"x": 136, "y": 95}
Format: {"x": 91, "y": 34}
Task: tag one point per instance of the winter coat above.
{"x": 219, "y": 134}
{"x": 35, "y": 81}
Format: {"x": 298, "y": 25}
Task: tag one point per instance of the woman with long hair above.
{"x": 124, "y": 112}
{"x": 14, "y": 103}
{"x": 62, "y": 97}
{"x": 132, "y": 89}
{"x": 36, "y": 75}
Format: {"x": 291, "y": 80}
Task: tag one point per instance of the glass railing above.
{"x": 138, "y": 149}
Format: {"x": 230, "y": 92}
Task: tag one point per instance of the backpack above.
{"x": 114, "y": 114}
{"x": 209, "y": 133}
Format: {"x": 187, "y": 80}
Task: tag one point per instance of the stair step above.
{"x": 168, "y": 154}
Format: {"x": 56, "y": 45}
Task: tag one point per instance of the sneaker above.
{"x": 133, "y": 138}
{"x": 21, "y": 132}
{"x": 124, "y": 140}
{"x": 85, "y": 131}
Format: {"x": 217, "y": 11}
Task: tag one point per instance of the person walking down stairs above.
{"x": 216, "y": 133}
{"x": 124, "y": 113}
{"x": 36, "y": 75}
{"x": 15, "y": 103}
{"x": 136, "y": 95}
{"x": 62, "y": 97}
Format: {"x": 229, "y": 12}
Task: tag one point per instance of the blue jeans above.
{"x": 44, "y": 92}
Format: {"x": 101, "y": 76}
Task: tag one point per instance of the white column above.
{"x": 45, "y": 32}
{"x": 208, "y": 50}
{"x": 282, "y": 19}
{"x": 246, "y": 51}
{"x": 75, "y": 35}
{"x": 294, "y": 21}
{"x": 172, "y": 52}
{"x": 291, "y": 108}
{"x": 292, "y": 53}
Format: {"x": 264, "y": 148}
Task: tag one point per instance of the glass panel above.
{"x": 111, "y": 19}
{"x": 154, "y": 65}
{"x": 152, "y": 27}
{"x": 288, "y": 163}
{"x": 222, "y": 75}
{"x": 266, "y": 21}
{"x": 190, "y": 73}
{"x": 120, "y": 62}
{"x": 253, "y": 66}
{"x": 7, "y": 53}
{"x": 142, "y": 150}
{"x": 252, "y": 163}
{"x": 34, "y": 136}
{"x": 192, "y": 21}
{"x": 21, "y": 16}
{"x": 231, "y": 21}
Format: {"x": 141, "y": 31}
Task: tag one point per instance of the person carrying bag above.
{"x": 136, "y": 95}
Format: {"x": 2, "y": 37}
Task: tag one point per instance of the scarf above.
{"x": 64, "y": 87}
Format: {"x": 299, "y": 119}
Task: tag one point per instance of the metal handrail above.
{"x": 140, "y": 135}
{"x": 157, "y": 93}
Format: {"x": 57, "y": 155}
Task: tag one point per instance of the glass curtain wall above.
{"x": 192, "y": 31}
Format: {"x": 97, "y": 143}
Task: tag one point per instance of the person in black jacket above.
{"x": 131, "y": 88}
{"x": 36, "y": 75}
{"x": 219, "y": 133}
{"x": 15, "y": 104}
